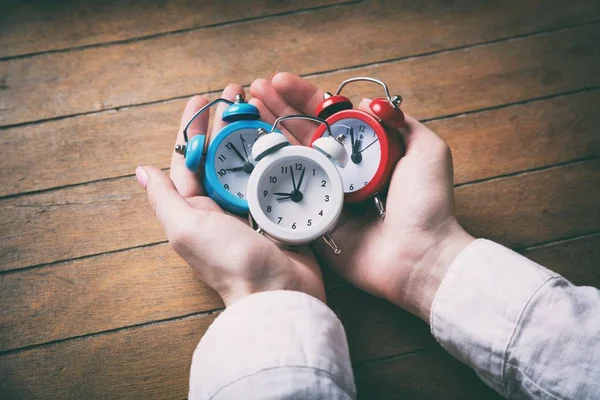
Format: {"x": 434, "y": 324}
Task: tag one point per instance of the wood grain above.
{"x": 431, "y": 374}
{"x": 113, "y": 215}
{"x": 38, "y": 25}
{"x": 42, "y": 87}
{"x": 535, "y": 207}
{"x": 522, "y": 137}
{"x": 153, "y": 361}
{"x": 111, "y": 144}
{"x": 576, "y": 260}
{"x": 129, "y": 287}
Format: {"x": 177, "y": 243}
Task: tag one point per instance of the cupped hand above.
{"x": 404, "y": 257}
{"x": 222, "y": 249}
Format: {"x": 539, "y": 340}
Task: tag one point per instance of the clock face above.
{"x": 234, "y": 162}
{"x": 364, "y": 150}
{"x": 295, "y": 193}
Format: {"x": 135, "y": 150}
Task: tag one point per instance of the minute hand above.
{"x": 370, "y": 144}
{"x": 301, "y": 178}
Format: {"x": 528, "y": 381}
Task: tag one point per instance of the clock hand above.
{"x": 351, "y": 136}
{"x": 244, "y": 148}
{"x": 356, "y": 157}
{"x": 282, "y": 194}
{"x": 370, "y": 144}
{"x": 236, "y": 169}
{"x": 301, "y": 178}
{"x": 293, "y": 179}
{"x": 236, "y": 151}
{"x": 284, "y": 198}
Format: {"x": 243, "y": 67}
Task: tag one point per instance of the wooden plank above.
{"x": 99, "y": 293}
{"x": 376, "y": 328}
{"x": 533, "y": 209}
{"x": 112, "y": 144}
{"x": 154, "y": 360}
{"x": 151, "y": 362}
{"x": 432, "y": 374}
{"x": 38, "y": 26}
{"x": 110, "y": 215}
{"x": 576, "y": 260}
{"x": 66, "y": 83}
{"x": 522, "y": 137}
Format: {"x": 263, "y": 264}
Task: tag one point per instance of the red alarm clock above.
{"x": 372, "y": 141}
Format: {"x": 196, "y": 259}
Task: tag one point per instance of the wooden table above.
{"x": 94, "y": 303}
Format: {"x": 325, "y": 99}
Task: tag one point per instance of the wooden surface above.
{"x": 94, "y": 302}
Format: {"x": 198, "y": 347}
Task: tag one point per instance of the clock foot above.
{"x": 379, "y": 205}
{"x": 331, "y": 243}
{"x": 254, "y": 225}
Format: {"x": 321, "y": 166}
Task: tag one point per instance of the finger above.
{"x": 229, "y": 93}
{"x": 186, "y": 181}
{"x": 302, "y": 130}
{"x": 171, "y": 209}
{"x": 297, "y": 92}
{"x": 267, "y": 116}
{"x": 416, "y": 136}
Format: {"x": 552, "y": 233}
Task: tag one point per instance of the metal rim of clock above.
{"x": 395, "y": 101}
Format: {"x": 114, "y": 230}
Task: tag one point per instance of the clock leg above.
{"x": 331, "y": 243}
{"x": 254, "y": 225}
{"x": 379, "y": 205}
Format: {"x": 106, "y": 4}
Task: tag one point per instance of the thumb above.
{"x": 168, "y": 205}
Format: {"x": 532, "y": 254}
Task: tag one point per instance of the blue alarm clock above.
{"x": 229, "y": 161}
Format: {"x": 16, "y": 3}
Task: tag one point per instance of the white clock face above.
{"x": 364, "y": 151}
{"x": 234, "y": 162}
{"x": 295, "y": 194}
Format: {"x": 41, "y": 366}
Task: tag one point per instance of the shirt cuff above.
{"x": 269, "y": 331}
{"x": 479, "y": 304}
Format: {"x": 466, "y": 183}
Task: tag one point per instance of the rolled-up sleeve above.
{"x": 277, "y": 344}
{"x": 526, "y": 331}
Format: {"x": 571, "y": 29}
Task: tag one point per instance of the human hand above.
{"x": 404, "y": 257}
{"x": 222, "y": 249}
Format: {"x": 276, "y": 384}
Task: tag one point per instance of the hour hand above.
{"x": 236, "y": 169}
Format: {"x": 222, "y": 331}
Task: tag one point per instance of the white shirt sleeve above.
{"x": 278, "y": 344}
{"x": 525, "y": 330}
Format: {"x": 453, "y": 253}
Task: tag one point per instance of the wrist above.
{"x": 427, "y": 272}
{"x": 239, "y": 290}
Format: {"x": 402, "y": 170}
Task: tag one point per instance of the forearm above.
{"x": 276, "y": 344}
{"x": 526, "y": 331}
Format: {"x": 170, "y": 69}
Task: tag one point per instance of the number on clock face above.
{"x": 295, "y": 193}
{"x": 234, "y": 162}
{"x": 364, "y": 150}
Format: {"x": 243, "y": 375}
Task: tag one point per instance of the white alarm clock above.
{"x": 295, "y": 193}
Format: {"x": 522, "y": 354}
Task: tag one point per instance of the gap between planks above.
{"x": 180, "y": 31}
{"x": 470, "y": 183}
{"x": 218, "y": 310}
{"x": 425, "y": 120}
{"x": 321, "y": 73}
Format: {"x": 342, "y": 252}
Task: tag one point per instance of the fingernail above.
{"x": 142, "y": 176}
{"x": 273, "y": 75}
